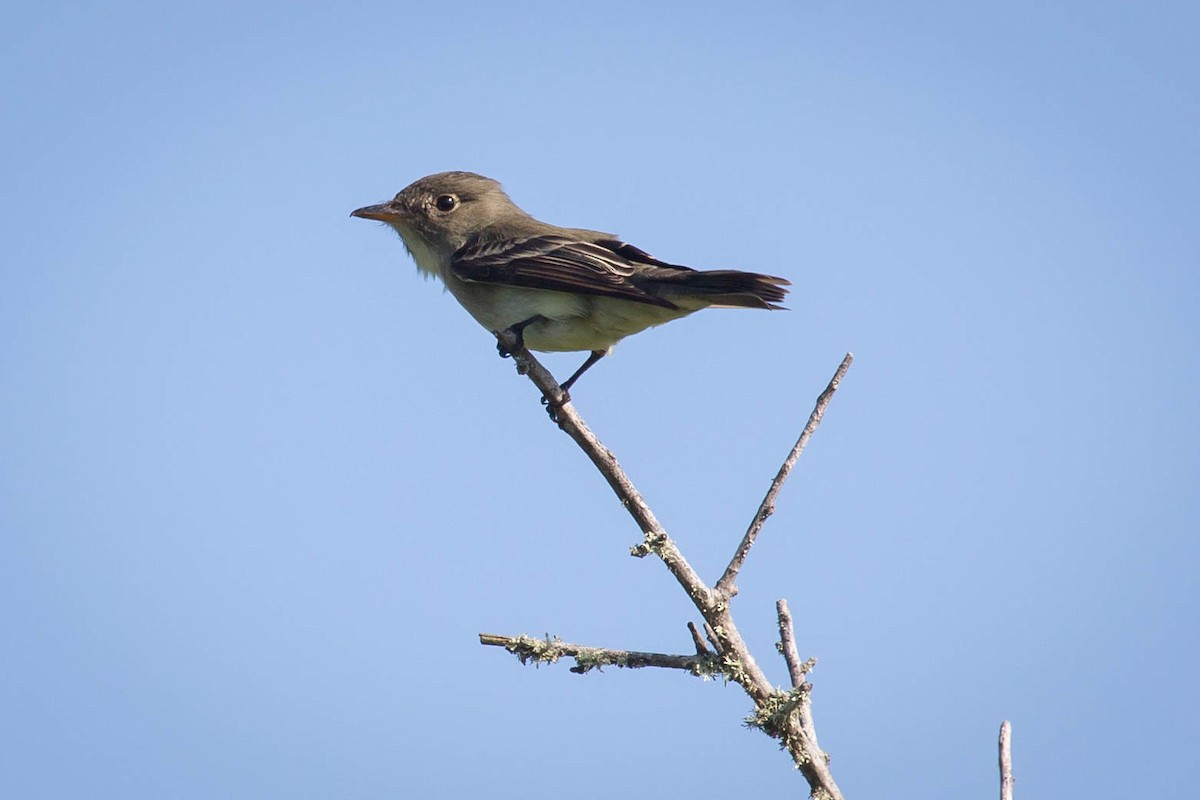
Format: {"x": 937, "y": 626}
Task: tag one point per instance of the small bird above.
{"x": 556, "y": 289}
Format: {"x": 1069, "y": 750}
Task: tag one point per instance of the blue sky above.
{"x": 261, "y": 485}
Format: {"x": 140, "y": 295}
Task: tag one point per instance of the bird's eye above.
{"x": 446, "y": 202}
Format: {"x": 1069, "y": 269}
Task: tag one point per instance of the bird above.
{"x": 556, "y": 289}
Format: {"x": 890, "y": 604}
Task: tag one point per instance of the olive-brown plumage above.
{"x": 559, "y": 288}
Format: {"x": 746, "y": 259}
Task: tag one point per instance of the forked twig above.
{"x": 782, "y": 715}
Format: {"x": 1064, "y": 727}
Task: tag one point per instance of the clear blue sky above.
{"x": 261, "y": 485}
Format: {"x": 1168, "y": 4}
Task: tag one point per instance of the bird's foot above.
{"x": 517, "y": 332}
{"x": 504, "y": 351}
{"x": 553, "y": 407}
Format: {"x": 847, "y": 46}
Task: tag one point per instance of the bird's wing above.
{"x": 556, "y": 263}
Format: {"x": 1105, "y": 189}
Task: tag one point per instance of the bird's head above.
{"x": 440, "y": 213}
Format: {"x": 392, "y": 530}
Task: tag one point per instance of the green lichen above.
{"x": 773, "y": 717}
{"x": 539, "y": 651}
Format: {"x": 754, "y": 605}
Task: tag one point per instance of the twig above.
{"x": 725, "y": 588}
{"x": 711, "y": 635}
{"x": 698, "y": 640}
{"x": 787, "y": 643}
{"x": 550, "y": 650}
{"x": 797, "y": 669}
{"x": 655, "y": 536}
{"x": 1006, "y": 773}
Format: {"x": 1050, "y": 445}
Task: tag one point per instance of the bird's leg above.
{"x": 569, "y": 382}
{"x": 592, "y": 359}
{"x": 518, "y": 330}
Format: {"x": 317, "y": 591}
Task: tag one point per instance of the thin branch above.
{"x": 698, "y": 640}
{"x": 787, "y": 644}
{"x": 1006, "y": 773}
{"x": 797, "y": 669}
{"x": 550, "y": 650}
{"x": 711, "y": 635}
{"x": 725, "y": 587}
{"x": 656, "y": 539}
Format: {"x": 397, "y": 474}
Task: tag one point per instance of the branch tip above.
{"x": 767, "y": 507}
{"x": 1006, "y": 771}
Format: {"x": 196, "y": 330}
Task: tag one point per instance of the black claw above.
{"x": 553, "y": 408}
{"x": 518, "y": 331}
{"x": 504, "y": 351}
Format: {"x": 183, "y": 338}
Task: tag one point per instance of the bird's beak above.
{"x": 385, "y": 212}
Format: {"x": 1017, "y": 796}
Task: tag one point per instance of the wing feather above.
{"x": 555, "y": 263}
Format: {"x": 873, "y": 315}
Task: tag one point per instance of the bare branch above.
{"x": 797, "y": 669}
{"x": 783, "y": 715}
{"x": 655, "y": 536}
{"x": 550, "y": 650}
{"x": 1006, "y": 773}
{"x": 725, "y": 588}
{"x": 711, "y": 635}
{"x": 698, "y": 640}
{"x": 787, "y": 644}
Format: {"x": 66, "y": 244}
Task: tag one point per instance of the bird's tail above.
{"x": 731, "y": 288}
